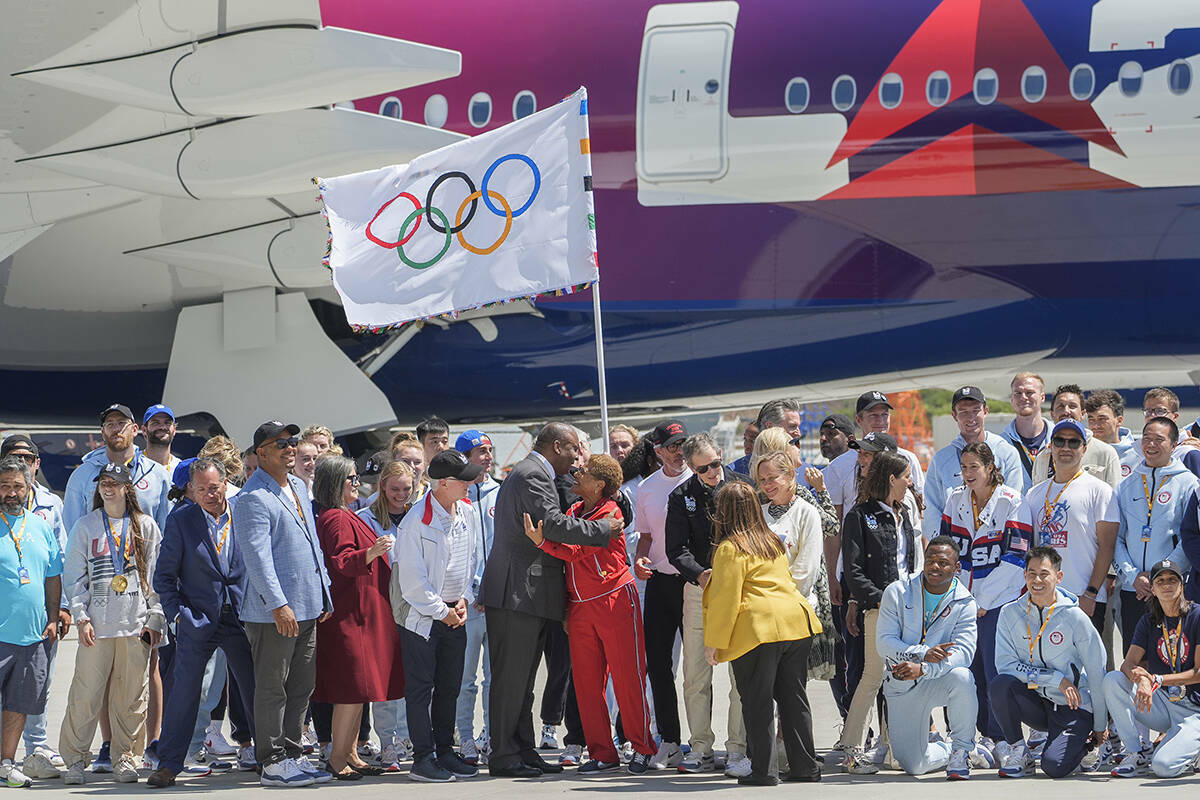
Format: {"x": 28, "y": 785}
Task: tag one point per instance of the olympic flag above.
{"x": 504, "y": 215}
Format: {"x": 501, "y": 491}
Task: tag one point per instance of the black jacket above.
{"x": 689, "y": 524}
{"x": 869, "y": 539}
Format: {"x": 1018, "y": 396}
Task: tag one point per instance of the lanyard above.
{"x": 926, "y": 619}
{"x": 299, "y": 510}
{"x": 119, "y": 554}
{"x": 976, "y": 511}
{"x": 212, "y": 530}
{"x": 16, "y": 535}
{"x": 1173, "y": 649}
{"x": 1048, "y": 509}
{"x": 1033, "y": 640}
{"x": 1150, "y": 496}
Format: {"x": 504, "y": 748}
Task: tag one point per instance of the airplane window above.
{"x": 845, "y": 91}
{"x": 480, "y": 109}
{"x": 436, "y": 110}
{"x": 1130, "y": 78}
{"x": 1033, "y": 84}
{"x": 891, "y": 90}
{"x": 987, "y": 86}
{"x": 391, "y": 107}
{"x": 524, "y": 104}
{"x": 1083, "y": 81}
{"x": 937, "y": 88}
{"x": 1179, "y": 79}
{"x": 795, "y": 96}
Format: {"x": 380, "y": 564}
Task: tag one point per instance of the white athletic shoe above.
{"x": 1002, "y": 750}
{"x": 669, "y": 756}
{"x": 284, "y": 774}
{"x": 1018, "y": 761}
{"x": 982, "y": 757}
{"x": 125, "y": 770}
{"x": 989, "y": 744}
{"x": 1037, "y": 743}
{"x": 549, "y": 738}
{"x": 75, "y": 774}
{"x": 38, "y": 765}
{"x": 572, "y": 756}
{"x": 878, "y": 754}
{"x": 215, "y": 741}
{"x": 737, "y": 765}
{"x": 12, "y": 776}
{"x": 958, "y": 769}
{"x": 1134, "y": 765}
{"x": 246, "y": 760}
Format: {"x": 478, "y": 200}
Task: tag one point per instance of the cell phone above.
{"x": 146, "y": 637}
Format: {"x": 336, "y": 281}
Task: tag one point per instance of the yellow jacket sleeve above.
{"x": 723, "y": 596}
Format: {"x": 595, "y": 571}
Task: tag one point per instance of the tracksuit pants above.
{"x": 776, "y": 673}
{"x": 607, "y": 638}
{"x": 909, "y": 711}
{"x": 1180, "y": 721}
{"x": 663, "y": 622}
{"x": 471, "y": 688}
{"x": 1067, "y": 731}
{"x": 984, "y": 670}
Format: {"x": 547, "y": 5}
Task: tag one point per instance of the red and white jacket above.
{"x": 592, "y": 572}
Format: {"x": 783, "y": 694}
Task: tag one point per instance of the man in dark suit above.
{"x": 524, "y": 593}
{"x": 201, "y": 581}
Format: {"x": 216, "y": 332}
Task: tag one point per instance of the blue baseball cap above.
{"x": 182, "y": 473}
{"x": 469, "y": 440}
{"x": 157, "y": 409}
{"x": 1069, "y": 425}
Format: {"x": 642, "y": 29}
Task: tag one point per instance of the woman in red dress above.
{"x": 358, "y": 648}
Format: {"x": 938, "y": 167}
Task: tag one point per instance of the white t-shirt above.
{"x": 840, "y": 479}
{"x": 1075, "y": 508}
{"x": 650, "y": 511}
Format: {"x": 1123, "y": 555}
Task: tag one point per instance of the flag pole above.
{"x": 600, "y": 364}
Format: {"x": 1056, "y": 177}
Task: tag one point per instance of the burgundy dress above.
{"x": 358, "y": 648}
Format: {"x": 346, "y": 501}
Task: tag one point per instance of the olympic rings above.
{"x": 508, "y": 218}
{"x": 417, "y": 216}
{"x": 441, "y": 224}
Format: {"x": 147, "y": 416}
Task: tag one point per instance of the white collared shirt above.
{"x": 545, "y": 464}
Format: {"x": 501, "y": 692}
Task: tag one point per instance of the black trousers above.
{"x": 515, "y": 645}
{"x": 662, "y": 621}
{"x": 558, "y": 695}
{"x": 433, "y": 670}
{"x": 776, "y": 673}
{"x": 1098, "y": 617}
{"x": 1132, "y": 611}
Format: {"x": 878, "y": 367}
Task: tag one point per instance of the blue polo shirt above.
{"x": 25, "y": 603}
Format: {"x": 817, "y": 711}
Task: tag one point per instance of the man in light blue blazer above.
{"x": 287, "y": 594}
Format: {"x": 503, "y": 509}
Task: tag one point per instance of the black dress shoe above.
{"x": 515, "y": 771}
{"x": 543, "y": 766}
{"x": 758, "y": 780}
{"x": 788, "y": 777}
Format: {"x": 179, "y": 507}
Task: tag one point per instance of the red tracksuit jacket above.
{"x": 592, "y": 571}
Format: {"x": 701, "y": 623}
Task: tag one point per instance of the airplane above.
{"x": 792, "y": 198}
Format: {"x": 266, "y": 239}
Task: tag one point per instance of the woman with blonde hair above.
{"x": 756, "y": 618}
{"x": 776, "y": 440}
{"x": 224, "y": 450}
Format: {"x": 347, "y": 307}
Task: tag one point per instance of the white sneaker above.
{"x": 404, "y": 750}
{"x": 246, "y": 759}
{"x": 572, "y": 756}
{"x": 549, "y": 738}
{"x": 369, "y": 752}
{"x": 699, "y": 763}
{"x": 989, "y": 744}
{"x": 306, "y": 765}
{"x": 1134, "y": 765}
{"x": 857, "y": 763}
{"x": 38, "y": 765}
{"x": 75, "y": 774}
{"x": 215, "y": 741}
{"x": 737, "y": 765}
{"x": 1108, "y": 756}
{"x": 1002, "y": 750}
{"x": 1018, "y": 761}
{"x": 390, "y": 761}
{"x": 308, "y": 739}
{"x": 125, "y": 770}
{"x": 12, "y": 776}
{"x": 627, "y": 751}
{"x": 284, "y": 774}
{"x": 957, "y": 769}
{"x": 669, "y": 755}
{"x": 878, "y": 754}
{"x": 981, "y": 756}
{"x": 1036, "y": 743}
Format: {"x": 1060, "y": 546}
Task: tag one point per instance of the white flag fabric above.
{"x": 504, "y": 215}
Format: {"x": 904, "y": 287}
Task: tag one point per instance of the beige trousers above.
{"x": 697, "y": 683}
{"x": 121, "y": 665}
{"x": 868, "y": 687}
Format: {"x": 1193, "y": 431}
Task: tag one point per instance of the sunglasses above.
{"x": 28, "y": 458}
{"x": 284, "y": 444}
{"x": 353, "y": 480}
{"x": 575, "y": 472}
{"x": 703, "y": 468}
{"x": 1073, "y": 443}
{"x": 796, "y": 442}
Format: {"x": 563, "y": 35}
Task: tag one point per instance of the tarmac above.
{"x": 984, "y": 785}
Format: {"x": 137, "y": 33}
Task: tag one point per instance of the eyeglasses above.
{"x": 575, "y": 472}
{"x": 28, "y": 458}
{"x": 117, "y": 425}
{"x": 1073, "y": 443}
{"x": 284, "y": 444}
{"x": 353, "y": 480}
{"x": 703, "y": 468}
{"x": 1157, "y": 412}
{"x": 672, "y": 448}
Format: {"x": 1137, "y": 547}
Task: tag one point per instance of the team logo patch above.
{"x": 1184, "y": 647}
{"x": 1125, "y": 470}
{"x": 1056, "y": 637}
{"x": 1164, "y": 497}
{"x": 43, "y": 514}
{"x": 143, "y": 484}
{"x": 690, "y": 503}
{"x": 872, "y": 523}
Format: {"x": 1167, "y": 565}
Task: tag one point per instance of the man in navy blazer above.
{"x": 287, "y": 594}
{"x": 200, "y": 579}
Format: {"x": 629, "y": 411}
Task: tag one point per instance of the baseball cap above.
{"x": 875, "y": 443}
{"x": 117, "y": 407}
{"x": 669, "y": 432}
{"x": 1166, "y": 565}
{"x": 158, "y": 408}
{"x": 1069, "y": 425}
{"x": 453, "y": 464}
{"x": 839, "y": 421}
{"x": 16, "y": 440}
{"x": 469, "y": 440}
{"x": 182, "y": 473}
{"x": 870, "y": 400}
{"x": 117, "y": 472}
{"x": 968, "y": 393}
{"x": 272, "y": 428}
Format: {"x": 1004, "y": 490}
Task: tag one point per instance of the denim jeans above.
{"x": 476, "y": 646}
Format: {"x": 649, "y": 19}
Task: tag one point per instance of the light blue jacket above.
{"x": 284, "y": 562}
{"x": 149, "y": 477}
{"x": 898, "y": 631}
{"x": 1171, "y": 486}
{"x": 945, "y": 474}
{"x": 1069, "y": 648}
{"x": 483, "y": 506}
{"x": 1128, "y": 450}
{"x": 1011, "y": 436}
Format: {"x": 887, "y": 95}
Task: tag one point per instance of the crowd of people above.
{"x": 314, "y": 602}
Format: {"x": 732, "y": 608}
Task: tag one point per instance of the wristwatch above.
{"x": 1093, "y": 591}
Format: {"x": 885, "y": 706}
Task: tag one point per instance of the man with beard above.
{"x": 31, "y": 593}
{"x": 158, "y": 426}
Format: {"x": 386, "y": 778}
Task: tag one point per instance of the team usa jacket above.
{"x": 901, "y": 633}
{"x": 993, "y": 556}
{"x": 1156, "y": 497}
{"x": 945, "y": 473}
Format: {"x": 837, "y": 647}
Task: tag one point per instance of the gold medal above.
{"x": 120, "y": 583}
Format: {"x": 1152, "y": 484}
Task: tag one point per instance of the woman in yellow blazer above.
{"x": 756, "y": 618}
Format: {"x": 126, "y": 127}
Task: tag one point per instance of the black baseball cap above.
{"x": 669, "y": 432}
{"x": 1166, "y": 565}
{"x": 453, "y": 464}
{"x": 968, "y": 393}
{"x": 272, "y": 428}
{"x": 118, "y": 408}
{"x": 16, "y": 440}
{"x": 839, "y": 421}
{"x": 870, "y": 400}
{"x": 117, "y": 472}
{"x": 875, "y": 443}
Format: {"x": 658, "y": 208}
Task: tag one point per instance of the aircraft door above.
{"x": 682, "y": 90}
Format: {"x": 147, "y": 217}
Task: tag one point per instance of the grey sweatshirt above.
{"x": 87, "y": 580}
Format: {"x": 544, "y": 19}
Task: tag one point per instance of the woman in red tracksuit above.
{"x": 604, "y": 624}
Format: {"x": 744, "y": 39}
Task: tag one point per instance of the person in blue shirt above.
{"x": 1029, "y": 432}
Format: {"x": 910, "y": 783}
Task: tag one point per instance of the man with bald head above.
{"x": 524, "y": 593}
